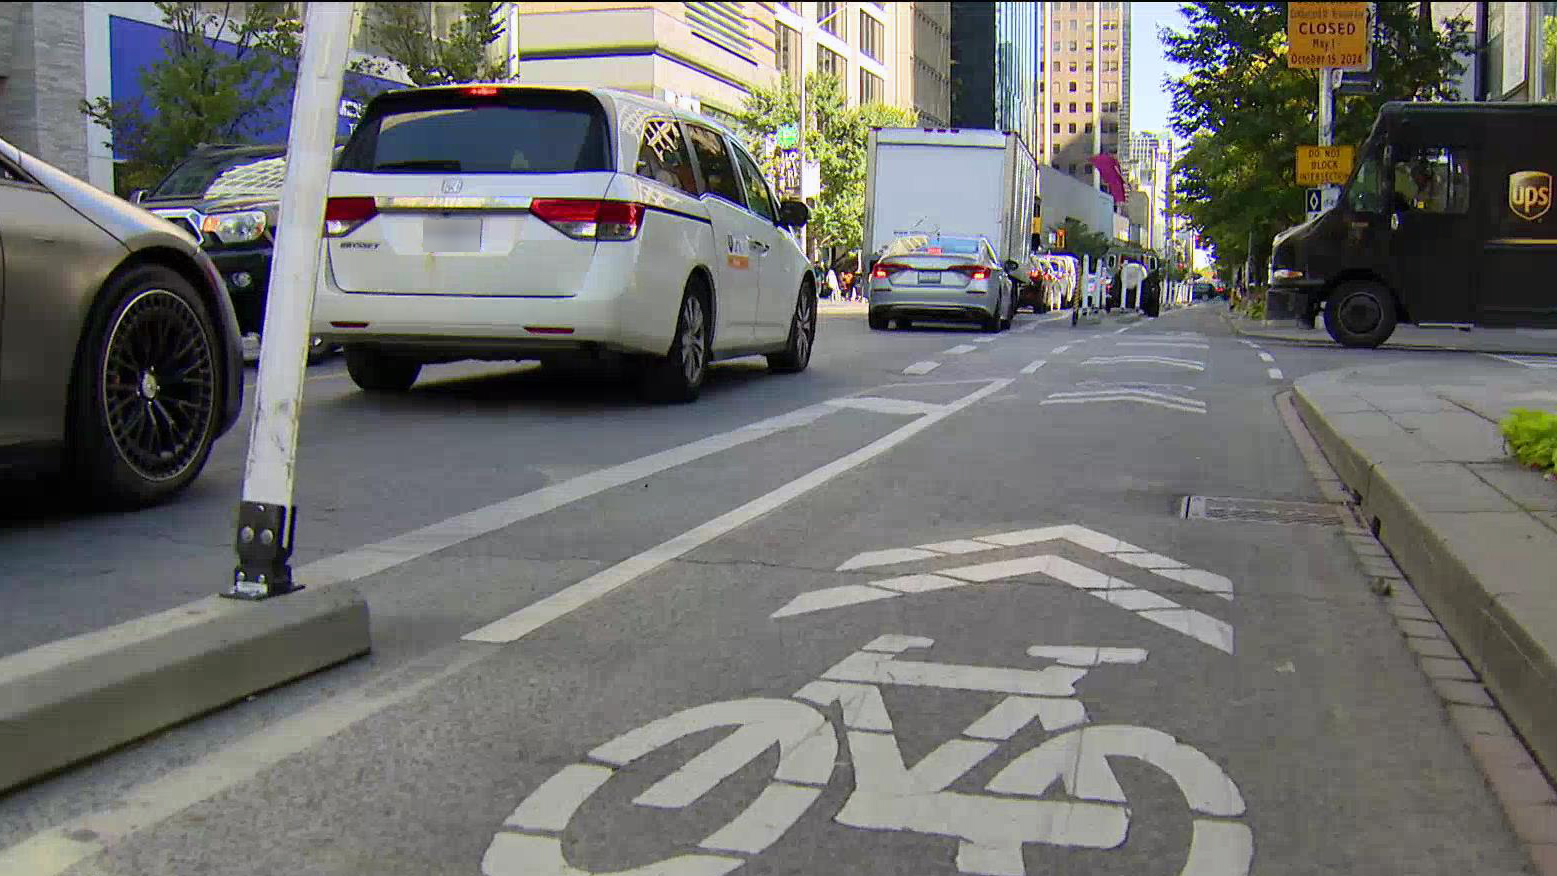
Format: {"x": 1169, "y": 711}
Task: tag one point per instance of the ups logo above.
{"x": 1530, "y": 193}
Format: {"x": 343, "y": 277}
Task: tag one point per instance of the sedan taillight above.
{"x": 587, "y": 219}
{"x": 973, "y": 272}
{"x": 886, "y": 269}
{"x": 343, "y": 215}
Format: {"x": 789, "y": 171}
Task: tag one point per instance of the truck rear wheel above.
{"x": 1361, "y": 314}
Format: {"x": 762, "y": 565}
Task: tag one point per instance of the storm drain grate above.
{"x": 1260, "y": 510}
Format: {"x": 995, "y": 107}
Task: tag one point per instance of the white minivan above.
{"x": 510, "y": 222}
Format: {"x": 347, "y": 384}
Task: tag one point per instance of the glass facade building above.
{"x": 995, "y": 52}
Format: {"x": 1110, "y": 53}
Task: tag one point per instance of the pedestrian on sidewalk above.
{"x": 833, "y": 291}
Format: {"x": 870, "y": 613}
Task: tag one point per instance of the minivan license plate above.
{"x": 929, "y": 278}
{"x": 451, "y": 234}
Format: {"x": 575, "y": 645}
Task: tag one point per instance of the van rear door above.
{"x": 447, "y": 191}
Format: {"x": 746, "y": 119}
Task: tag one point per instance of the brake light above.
{"x": 974, "y": 272}
{"x": 583, "y": 219}
{"x": 886, "y": 269}
{"x": 343, "y": 215}
{"x": 481, "y": 90}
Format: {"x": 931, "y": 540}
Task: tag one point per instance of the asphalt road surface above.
{"x": 930, "y": 607}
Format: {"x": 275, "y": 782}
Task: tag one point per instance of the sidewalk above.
{"x": 1475, "y": 532}
{"x": 829, "y": 307}
{"x": 1408, "y": 337}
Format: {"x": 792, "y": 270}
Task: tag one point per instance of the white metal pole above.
{"x": 266, "y": 515}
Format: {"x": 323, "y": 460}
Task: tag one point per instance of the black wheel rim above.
{"x": 159, "y": 385}
{"x": 1360, "y": 314}
{"x": 805, "y": 328}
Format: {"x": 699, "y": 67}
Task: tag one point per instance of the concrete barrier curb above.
{"x": 75, "y": 698}
{"x": 1477, "y": 560}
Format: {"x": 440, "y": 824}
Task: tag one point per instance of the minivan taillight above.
{"x": 343, "y": 215}
{"x": 583, "y": 219}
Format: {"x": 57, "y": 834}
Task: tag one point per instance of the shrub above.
{"x": 1532, "y": 436}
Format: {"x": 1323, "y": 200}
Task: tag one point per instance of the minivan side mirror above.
{"x": 137, "y": 196}
{"x": 793, "y": 214}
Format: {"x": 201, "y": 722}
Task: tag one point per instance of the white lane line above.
{"x": 1275, "y": 373}
{"x": 1266, "y": 357}
{"x": 1060, "y": 349}
{"x": 960, "y": 349}
{"x": 1191, "y": 364}
{"x": 1123, "y": 398}
{"x": 1033, "y": 366}
{"x": 986, "y": 340}
{"x": 1526, "y": 361}
{"x": 924, "y": 367}
{"x": 885, "y": 405}
{"x": 1248, "y": 343}
{"x": 374, "y": 558}
{"x": 544, "y": 611}
{"x": 1195, "y": 344}
{"x": 61, "y": 847}
{"x": 1123, "y": 330}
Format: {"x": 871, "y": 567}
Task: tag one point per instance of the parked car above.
{"x": 119, "y": 351}
{"x": 521, "y": 222}
{"x": 941, "y": 278}
{"x": 1030, "y": 293}
{"x": 229, "y": 198}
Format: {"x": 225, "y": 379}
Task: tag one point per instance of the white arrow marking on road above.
{"x": 960, "y": 349}
{"x": 1033, "y": 366}
{"x": 1123, "y": 330}
{"x": 1191, "y": 364}
{"x": 1266, "y": 357}
{"x": 1275, "y": 373}
{"x": 924, "y": 367}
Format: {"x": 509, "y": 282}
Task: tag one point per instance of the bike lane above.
{"x": 1248, "y": 682}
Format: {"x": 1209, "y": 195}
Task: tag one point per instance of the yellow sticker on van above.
{"x": 1529, "y": 193}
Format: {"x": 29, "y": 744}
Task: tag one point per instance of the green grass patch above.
{"x": 1532, "y": 436}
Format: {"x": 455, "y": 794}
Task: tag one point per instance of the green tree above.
{"x": 836, "y": 137}
{"x": 1245, "y": 111}
{"x": 1081, "y": 240}
{"x": 220, "y": 81}
{"x": 404, "y": 34}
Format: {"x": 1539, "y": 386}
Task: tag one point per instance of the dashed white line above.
{"x": 924, "y": 367}
{"x": 985, "y": 340}
{"x": 960, "y": 349}
{"x": 1275, "y": 373}
{"x": 1060, "y": 349}
{"x": 1033, "y": 366}
{"x": 1266, "y": 357}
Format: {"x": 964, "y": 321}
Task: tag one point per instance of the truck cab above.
{"x": 1446, "y": 221}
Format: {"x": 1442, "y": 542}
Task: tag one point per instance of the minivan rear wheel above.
{"x": 678, "y": 376}
{"x": 374, "y": 371}
{"x": 1361, "y": 314}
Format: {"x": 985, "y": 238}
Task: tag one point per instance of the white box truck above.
{"x": 955, "y": 181}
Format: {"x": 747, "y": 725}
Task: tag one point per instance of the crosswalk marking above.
{"x": 1131, "y": 394}
{"x": 924, "y": 367}
{"x": 1033, "y": 366}
{"x": 1190, "y": 364}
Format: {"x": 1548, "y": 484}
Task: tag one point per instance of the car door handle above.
{"x": 759, "y": 246}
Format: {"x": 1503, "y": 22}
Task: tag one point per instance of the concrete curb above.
{"x": 71, "y": 699}
{"x": 1476, "y": 593}
{"x": 1324, "y": 340}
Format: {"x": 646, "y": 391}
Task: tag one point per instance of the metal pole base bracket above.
{"x": 265, "y": 534}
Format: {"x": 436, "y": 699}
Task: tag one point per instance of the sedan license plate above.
{"x": 929, "y": 278}
{"x": 445, "y": 234}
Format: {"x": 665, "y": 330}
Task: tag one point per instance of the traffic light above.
{"x": 1059, "y": 238}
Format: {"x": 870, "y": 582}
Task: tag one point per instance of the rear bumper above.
{"x": 933, "y": 311}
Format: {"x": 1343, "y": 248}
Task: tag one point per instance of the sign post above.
{"x": 267, "y": 517}
{"x": 1330, "y": 38}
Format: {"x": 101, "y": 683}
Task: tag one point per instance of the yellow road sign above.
{"x": 1327, "y": 35}
{"x": 1319, "y": 165}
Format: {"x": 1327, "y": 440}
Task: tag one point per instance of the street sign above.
{"x": 1327, "y": 35}
{"x": 788, "y": 136}
{"x": 1319, "y": 165}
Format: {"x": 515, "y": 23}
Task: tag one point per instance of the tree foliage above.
{"x": 1081, "y": 240}
{"x": 404, "y": 34}
{"x": 835, "y": 138}
{"x": 219, "y": 81}
{"x": 1244, "y": 111}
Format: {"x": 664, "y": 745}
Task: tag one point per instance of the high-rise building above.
{"x": 923, "y": 64}
{"x": 1084, "y": 84}
{"x": 995, "y": 57}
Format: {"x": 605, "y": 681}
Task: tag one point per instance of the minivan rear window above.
{"x": 456, "y": 132}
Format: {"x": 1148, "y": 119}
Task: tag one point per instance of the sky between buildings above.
{"x": 1150, "y": 103}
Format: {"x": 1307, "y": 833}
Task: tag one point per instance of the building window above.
{"x": 829, "y": 62}
{"x": 1073, "y": 106}
{"x": 1057, "y": 45}
{"x": 1071, "y": 88}
{"x": 1072, "y": 66}
{"x": 723, "y": 24}
{"x": 1073, "y": 45}
{"x": 1072, "y": 127}
{"x": 871, "y": 36}
{"x": 1056, "y": 127}
{"x": 1089, "y": 127}
{"x": 1089, "y": 106}
{"x": 788, "y": 44}
{"x": 1089, "y": 46}
{"x": 1056, "y": 106}
{"x": 1089, "y": 66}
{"x": 829, "y": 17}
{"x": 870, "y": 87}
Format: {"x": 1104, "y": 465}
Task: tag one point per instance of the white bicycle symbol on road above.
{"x": 1089, "y": 810}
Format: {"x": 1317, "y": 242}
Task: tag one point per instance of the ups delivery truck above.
{"x": 1447, "y": 220}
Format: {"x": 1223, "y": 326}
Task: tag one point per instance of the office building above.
{"x": 995, "y": 58}
{"x": 1084, "y": 84}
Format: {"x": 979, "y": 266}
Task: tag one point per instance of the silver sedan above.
{"x": 119, "y": 355}
{"x": 941, "y": 278}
